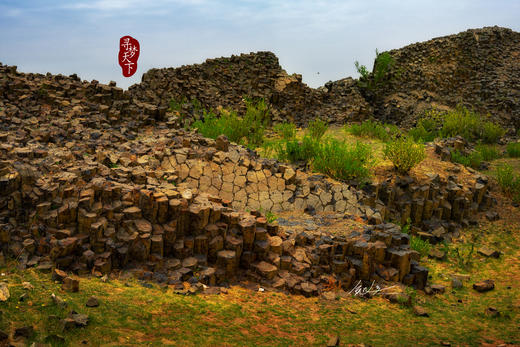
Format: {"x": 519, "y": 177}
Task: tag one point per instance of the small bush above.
{"x": 343, "y": 161}
{"x": 248, "y": 130}
{"x": 427, "y": 128}
{"x": 474, "y": 159}
{"x": 286, "y": 130}
{"x": 513, "y": 149}
{"x": 470, "y": 125}
{"x": 488, "y": 152}
{"x": 458, "y": 122}
{"x": 404, "y": 153}
{"x": 507, "y": 179}
{"x": 294, "y": 150}
{"x": 371, "y": 129}
{"x": 420, "y": 245}
{"x": 317, "y": 128}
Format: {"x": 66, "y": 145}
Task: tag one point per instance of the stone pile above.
{"x": 224, "y": 82}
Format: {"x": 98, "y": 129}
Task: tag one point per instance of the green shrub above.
{"x": 420, "y": 245}
{"x": 474, "y": 159}
{"x": 343, "y": 161}
{"x": 293, "y": 150}
{"x": 317, "y": 128}
{"x": 427, "y": 128}
{"x": 404, "y": 153}
{"x": 286, "y": 130}
{"x": 371, "y": 129}
{"x": 491, "y": 132}
{"x": 248, "y": 130}
{"x": 458, "y": 122}
{"x": 488, "y": 152}
{"x": 513, "y": 149}
{"x": 507, "y": 179}
{"x": 470, "y": 125}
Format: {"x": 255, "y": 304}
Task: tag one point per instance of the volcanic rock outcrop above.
{"x": 478, "y": 68}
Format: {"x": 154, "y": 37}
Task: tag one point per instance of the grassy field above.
{"x": 131, "y": 314}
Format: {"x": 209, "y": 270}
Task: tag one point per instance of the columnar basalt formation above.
{"x": 224, "y": 82}
{"x": 479, "y": 68}
{"x": 87, "y": 189}
{"x": 93, "y": 178}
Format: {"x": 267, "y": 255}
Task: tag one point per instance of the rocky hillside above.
{"x": 479, "y": 68}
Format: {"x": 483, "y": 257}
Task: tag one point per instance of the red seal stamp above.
{"x": 128, "y": 55}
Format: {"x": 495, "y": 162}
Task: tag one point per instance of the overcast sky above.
{"x": 318, "y": 39}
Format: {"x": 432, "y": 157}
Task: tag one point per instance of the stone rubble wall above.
{"x": 224, "y": 82}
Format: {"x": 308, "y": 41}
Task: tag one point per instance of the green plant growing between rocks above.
{"x": 247, "y": 130}
{"x": 380, "y": 73}
{"x": 270, "y": 217}
{"x": 420, "y": 245}
{"x": 404, "y": 153}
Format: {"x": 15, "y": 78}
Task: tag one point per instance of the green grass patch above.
{"x": 285, "y": 130}
{"x": 488, "y": 152}
{"x": 420, "y": 245}
{"x": 343, "y": 161}
{"x": 317, "y": 128}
